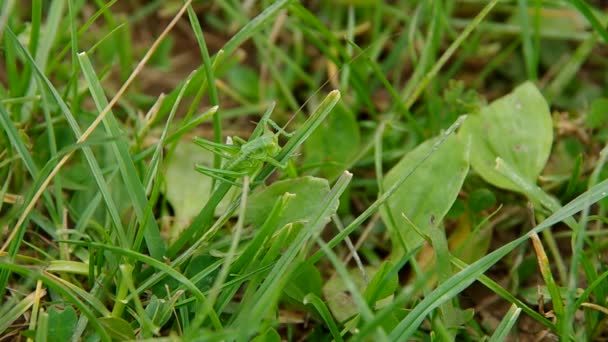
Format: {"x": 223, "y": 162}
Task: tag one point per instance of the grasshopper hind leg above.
{"x": 276, "y": 163}
{"x": 220, "y": 174}
{"x": 224, "y": 150}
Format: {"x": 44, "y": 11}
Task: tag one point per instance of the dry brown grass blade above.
{"x": 95, "y": 123}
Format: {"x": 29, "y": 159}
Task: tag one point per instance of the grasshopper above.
{"x": 245, "y": 157}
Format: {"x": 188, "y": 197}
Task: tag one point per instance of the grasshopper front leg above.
{"x": 279, "y": 129}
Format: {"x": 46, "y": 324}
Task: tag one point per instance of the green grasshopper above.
{"x": 245, "y": 157}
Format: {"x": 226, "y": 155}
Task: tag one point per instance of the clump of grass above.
{"x": 414, "y": 138}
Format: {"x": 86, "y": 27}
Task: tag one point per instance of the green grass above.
{"x": 368, "y": 170}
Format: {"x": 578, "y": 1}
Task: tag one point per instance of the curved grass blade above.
{"x": 131, "y": 180}
{"x": 467, "y": 276}
{"x": 322, "y": 309}
{"x": 220, "y": 280}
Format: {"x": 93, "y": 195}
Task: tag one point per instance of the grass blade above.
{"x": 91, "y": 160}
{"x": 213, "y": 97}
{"x": 586, "y": 10}
{"x": 505, "y": 294}
{"x": 15, "y": 139}
{"x": 246, "y": 32}
{"x": 51, "y": 29}
{"x": 322, "y": 309}
{"x": 131, "y": 180}
{"x": 530, "y": 51}
{"x": 160, "y": 266}
{"x": 545, "y": 270}
{"x": 11, "y": 311}
{"x": 507, "y": 323}
{"x": 464, "y": 278}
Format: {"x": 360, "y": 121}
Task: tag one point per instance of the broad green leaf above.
{"x": 383, "y": 284}
{"x": 308, "y": 191}
{"x": 561, "y": 19}
{"x": 306, "y": 280}
{"x": 334, "y": 143}
{"x": 263, "y": 233}
{"x": 62, "y": 322}
{"x": 118, "y": 328}
{"x": 339, "y": 299}
{"x": 188, "y": 190}
{"x": 518, "y": 129}
{"x": 427, "y": 195}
